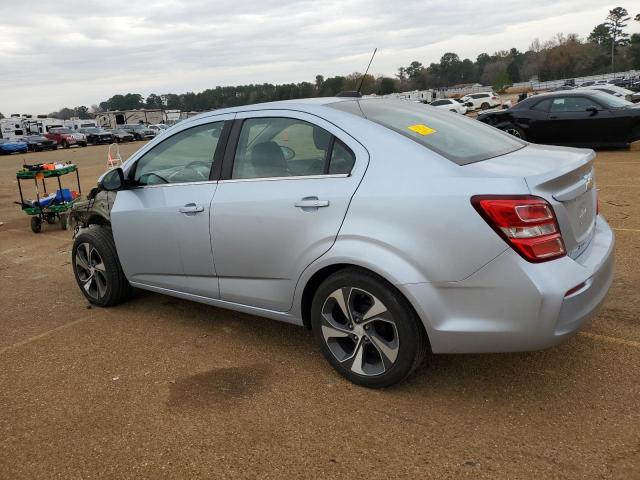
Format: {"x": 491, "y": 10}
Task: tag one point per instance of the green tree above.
{"x": 386, "y": 86}
{"x": 413, "y": 70}
{"x": 82, "y": 113}
{"x": 616, "y": 22}
{"x": 450, "y": 68}
{"x": 600, "y": 35}
{"x": 153, "y": 101}
{"x": 633, "y": 53}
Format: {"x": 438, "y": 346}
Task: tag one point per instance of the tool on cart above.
{"x": 49, "y": 207}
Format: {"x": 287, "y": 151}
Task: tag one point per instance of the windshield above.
{"x": 62, "y": 130}
{"x": 457, "y": 138}
{"x": 611, "y": 101}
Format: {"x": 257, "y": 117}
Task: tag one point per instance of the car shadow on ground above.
{"x": 472, "y": 377}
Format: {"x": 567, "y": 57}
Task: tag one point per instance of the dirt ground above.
{"x": 163, "y": 388}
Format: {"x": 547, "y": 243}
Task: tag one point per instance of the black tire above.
{"x": 64, "y": 144}
{"x": 408, "y": 334}
{"x": 36, "y": 224}
{"x": 484, "y": 106}
{"x": 516, "y": 131}
{"x": 50, "y": 218}
{"x": 116, "y": 288}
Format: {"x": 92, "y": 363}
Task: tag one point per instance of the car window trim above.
{"x": 232, "y": 146}
{"x": 212, "y": 172}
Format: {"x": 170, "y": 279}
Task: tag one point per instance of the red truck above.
{"x": 65, "y": 137}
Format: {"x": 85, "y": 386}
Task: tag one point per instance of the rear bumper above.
{"x": 512, "y": 305}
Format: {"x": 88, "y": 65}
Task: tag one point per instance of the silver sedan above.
{"x": 391, "y": 229}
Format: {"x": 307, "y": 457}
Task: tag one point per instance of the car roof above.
{"x": 304, "y": 104}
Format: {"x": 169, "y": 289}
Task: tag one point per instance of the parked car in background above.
{"x": 139, "y": 131}
{"x": 38, "y": 143}
{"x": 562, "y": 88}
{"x": 80, "y": 137}
{"x": 450, "y": 104}
{"x": 97, "y": 135}
{"x": 120, "y": 135}
{"x": 292, "y": 211}
{"x": 12, "y": 146}
{"x": 64, "y": 137}
{"x": 581, "y": 118}
{"x": 158, "y": 128}
{"x": 617, "y": 91}
{"x": 482, "y": 100}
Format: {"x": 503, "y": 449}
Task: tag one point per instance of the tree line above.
{"x": 607, "y": 48}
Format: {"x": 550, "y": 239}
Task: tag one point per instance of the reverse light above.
{"x": 527, "y": 223}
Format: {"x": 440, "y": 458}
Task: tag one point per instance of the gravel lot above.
{"x": 163, "y": 388}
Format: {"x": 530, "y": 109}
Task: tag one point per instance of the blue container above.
{"x": 63, "y": 196}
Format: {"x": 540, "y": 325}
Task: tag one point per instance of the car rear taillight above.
{"x": 527, "y": 223}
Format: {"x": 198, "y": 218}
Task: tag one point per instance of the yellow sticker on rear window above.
{"x": 421, "y": 129}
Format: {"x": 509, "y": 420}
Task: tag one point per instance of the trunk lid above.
{"x": 564, "y": 177}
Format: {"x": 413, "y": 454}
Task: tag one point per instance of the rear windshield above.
{"x": 455, "y": 137}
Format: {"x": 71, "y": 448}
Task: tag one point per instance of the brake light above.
{"x": 527, "y": 223}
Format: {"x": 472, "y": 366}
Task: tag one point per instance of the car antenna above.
{"x": 367, "y": 70}
{"x": 356, "y": 93}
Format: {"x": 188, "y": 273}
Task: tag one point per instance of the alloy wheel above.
{"x": 91, "y": 271}
{"x": 359, "y": 331}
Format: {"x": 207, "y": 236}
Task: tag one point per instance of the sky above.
{"x": 68, "y": 53}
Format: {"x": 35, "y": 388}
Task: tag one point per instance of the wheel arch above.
{"x": 315, "y": 279}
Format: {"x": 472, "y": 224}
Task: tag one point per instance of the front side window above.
{"x": 543, "y": 106}
{"x": 280, "y": 147}
{"x": 186, "y": 156}
{"x": 455, "y": 137}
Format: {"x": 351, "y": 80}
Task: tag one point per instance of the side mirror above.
{"x": 112, "y": 181}
{"x": 593, "y": 110}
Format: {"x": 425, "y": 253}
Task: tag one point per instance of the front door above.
{"x": 161, "y": 225}
{"x": 576, "y": 121}
{"x": 282, "y": 203}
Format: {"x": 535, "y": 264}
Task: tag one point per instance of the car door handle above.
{"x": 191, "y": 208}
{"x": 311, "y": 203}
{"x": 553, "y": 117}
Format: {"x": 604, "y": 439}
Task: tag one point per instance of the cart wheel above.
{"x": 50, "y": 218}
{"x": 64, "y": 221}
{"x": 36, "y": 224}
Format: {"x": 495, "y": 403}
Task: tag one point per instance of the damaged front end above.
{"x": 95, "y": 210}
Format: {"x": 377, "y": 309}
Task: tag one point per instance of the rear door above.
{"x": 285, "y": 191}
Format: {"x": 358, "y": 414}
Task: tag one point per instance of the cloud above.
{"x": 70, "y": 52}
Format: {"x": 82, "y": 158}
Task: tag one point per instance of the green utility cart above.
{"x": 56, "y": 210}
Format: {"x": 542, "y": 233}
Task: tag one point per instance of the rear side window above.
{"x": 342, "y": 158}
{"x": 457, "y": 138}
{"x": 280, "y": 147}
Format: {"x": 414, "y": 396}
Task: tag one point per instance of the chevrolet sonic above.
{"x": 389, "y": 228}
